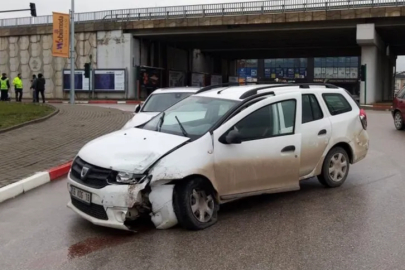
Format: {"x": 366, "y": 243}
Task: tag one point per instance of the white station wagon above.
{"x": 158, "y": 101}
{"x": 235, "y": 142}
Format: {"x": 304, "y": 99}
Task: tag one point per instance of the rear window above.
{"x": 160, "y": 102}
{"x": 336, "y": 103}
{"x": 355, "y": 101}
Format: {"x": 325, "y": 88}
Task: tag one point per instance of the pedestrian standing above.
{"x": 4, "y": 87}
{"x": 18, "y": 87}
{"x": 32, "y": 88}
{"x": 40, "y": 87}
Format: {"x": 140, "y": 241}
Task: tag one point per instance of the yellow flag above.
{"x": 60, "y": 46}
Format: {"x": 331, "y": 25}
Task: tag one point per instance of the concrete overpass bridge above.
{"x": 209, "y": 39}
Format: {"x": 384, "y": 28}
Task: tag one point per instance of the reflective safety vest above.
{"x": 3, "y": 84}
{"x": 18, "y": 83}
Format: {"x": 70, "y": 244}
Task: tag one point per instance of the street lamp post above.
{"x": 72, "y": 53}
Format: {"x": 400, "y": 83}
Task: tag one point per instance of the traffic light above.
{"x": 33, "y": 10}
{"x": 87, "y": 70}
{"x": 363, "y": 72}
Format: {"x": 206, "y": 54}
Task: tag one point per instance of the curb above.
{"x": 96, "y": 101}
{"x": 46, "y": 117}
{"x": 376, "y": 108}
{"x": 34, "y": 181}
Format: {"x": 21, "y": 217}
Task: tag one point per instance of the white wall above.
{"x": 369, "y": 57}
{"x": 374, "y": 53}
{"x": 116, "y": 50}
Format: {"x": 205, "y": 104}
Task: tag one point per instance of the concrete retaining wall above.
{"x": 30, "y": 55}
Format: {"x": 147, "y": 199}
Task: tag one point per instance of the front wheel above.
{"x": 195, "y": 205}
{"x": 335, "y": 168}
{"x": 399, "y": 121}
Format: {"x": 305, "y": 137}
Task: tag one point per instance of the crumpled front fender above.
{"x": 161, "y": 198}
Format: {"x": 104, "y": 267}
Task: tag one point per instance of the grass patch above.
{"x": 12, "y": 114}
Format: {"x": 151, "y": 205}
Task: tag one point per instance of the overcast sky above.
{"x": 46, "y": 7}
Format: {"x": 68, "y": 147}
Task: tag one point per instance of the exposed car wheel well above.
{"x": 193, "y": 176}
{"x": 347, "y": 148}
{"x": 394, "y": 112}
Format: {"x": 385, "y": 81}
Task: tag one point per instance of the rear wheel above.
{"x": 335, "y": 168}
{"x": 195, "y": 205}
{"x": 399, "y": 121}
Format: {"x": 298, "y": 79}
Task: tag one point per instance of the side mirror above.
{"x": 137, "y": 108}
{"x": 233, "y": 137}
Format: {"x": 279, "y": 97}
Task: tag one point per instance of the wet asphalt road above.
{"x": 360, "y": 225}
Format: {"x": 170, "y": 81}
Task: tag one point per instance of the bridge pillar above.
{"x": 375, "y": 55}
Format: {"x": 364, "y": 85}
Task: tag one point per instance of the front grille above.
{"x": 96, "y": 177}
{"x": 94, "y": 210}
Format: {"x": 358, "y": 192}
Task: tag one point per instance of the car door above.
{"x": 316, "y": 130}
{"x": 268, "y": 157}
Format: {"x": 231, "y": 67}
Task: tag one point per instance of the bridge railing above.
{"x": 209, "y": 10}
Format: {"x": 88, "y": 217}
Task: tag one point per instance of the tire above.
{"x": 399, "y": 121}
{"x": 186, "y": 196}
{"x": 335, "y": 168}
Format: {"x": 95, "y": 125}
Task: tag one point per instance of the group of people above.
{"x": 37, "y": 87}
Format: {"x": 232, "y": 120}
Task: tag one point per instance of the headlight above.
{"x": 131, "y": 178}
{"x": 126, "y": 178}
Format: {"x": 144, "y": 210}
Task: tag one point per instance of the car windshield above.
{"x": 160, "y": 102}
{"x": 191, "y": 117}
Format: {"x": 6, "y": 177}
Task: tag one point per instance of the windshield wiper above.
{"x": 162, "y": 119}
{"x": 182, "y": 128}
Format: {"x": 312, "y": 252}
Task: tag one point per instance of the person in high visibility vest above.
{"x": 4, "y": 87}
{"x": 18, "y": 86}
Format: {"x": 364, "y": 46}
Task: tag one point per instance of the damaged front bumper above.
{"x": 115, "y": 205}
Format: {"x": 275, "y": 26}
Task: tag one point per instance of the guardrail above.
{"x": 209, "y": 10}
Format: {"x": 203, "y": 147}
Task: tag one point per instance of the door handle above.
{"x": 322, "y": 132}
{"x": 290, "y": 148}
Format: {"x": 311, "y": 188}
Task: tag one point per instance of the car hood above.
{"x": 132, "y": 150}
{"x": 139, "y": 119}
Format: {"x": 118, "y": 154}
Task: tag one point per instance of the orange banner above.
{"x": 60, "y": 45}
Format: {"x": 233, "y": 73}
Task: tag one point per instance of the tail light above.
{"x": 363, "y": 118}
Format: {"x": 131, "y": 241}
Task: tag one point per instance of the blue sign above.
{"x": 242, "y": 72}
{"x": 253, "y": 72}
{"x": 279, "y": 72}
{"x": 267, "y": 73}
{"x": 303, "y": 72}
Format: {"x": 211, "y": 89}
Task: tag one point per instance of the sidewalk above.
{"x": 41, "y": 146}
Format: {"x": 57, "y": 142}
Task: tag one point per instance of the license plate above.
{"x": 80, "y": 194}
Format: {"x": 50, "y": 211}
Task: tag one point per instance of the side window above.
{"x": 273, "y": 120}
{"x": 306, "y": 109}
{"x": 401, "y": 93}
{"x": 311, "y": 111}
{"x": 336, "y": 103}
{"x": 288, "y": 109}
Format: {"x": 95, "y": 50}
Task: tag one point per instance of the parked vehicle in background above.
{"x": 158, "y": 101}
{"x": 398, "y": 109}
{"x": 217, "y": 146}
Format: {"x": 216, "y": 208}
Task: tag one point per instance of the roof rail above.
{"x": 307, "y": 85}
{"x": 271, "y": 82}
{"x": 210, "y": 87}
{"x": 301, "y": 85}
{"x": 254, "y": 91}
